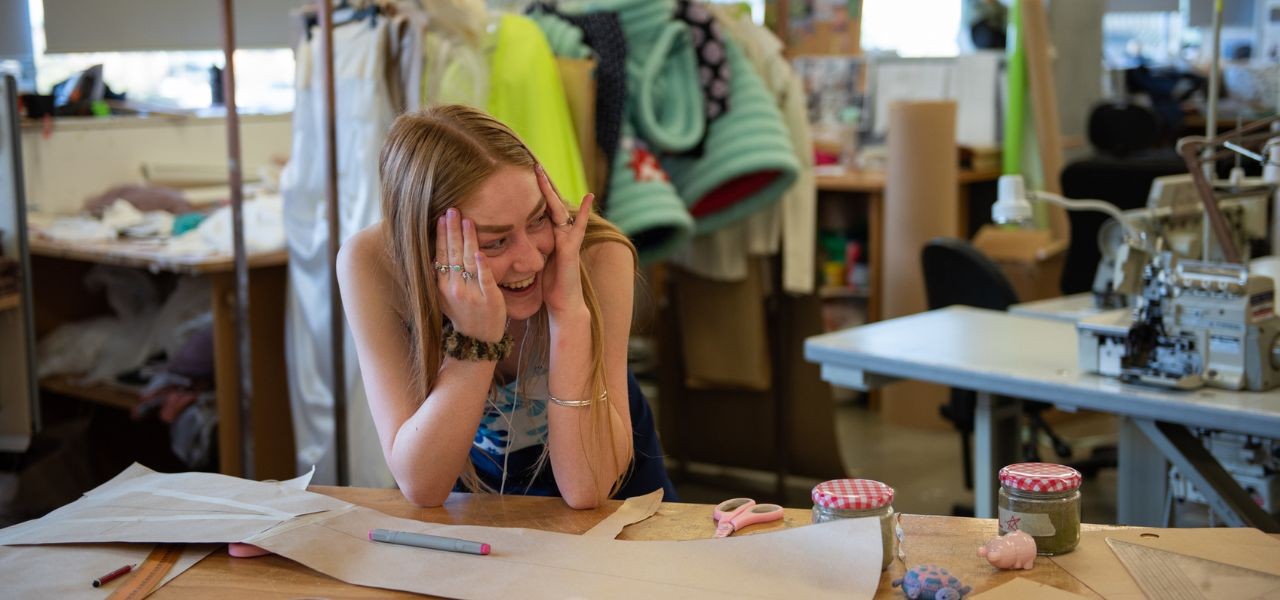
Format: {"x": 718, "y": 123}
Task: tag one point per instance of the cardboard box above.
{"x": 1030, "y": 258}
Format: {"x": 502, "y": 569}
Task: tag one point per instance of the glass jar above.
{"x": 855, "y": 498}
{"x": 1042, "y": 500}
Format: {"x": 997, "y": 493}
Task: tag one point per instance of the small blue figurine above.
{"x": 931, "y": 582}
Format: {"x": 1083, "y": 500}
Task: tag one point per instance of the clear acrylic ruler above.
{"x": 1172, "y": 576}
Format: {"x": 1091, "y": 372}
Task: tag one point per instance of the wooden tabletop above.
{"x": 149, "y": 255}
{"x": 873, "y": 181}
{"x": 948, "y": 541}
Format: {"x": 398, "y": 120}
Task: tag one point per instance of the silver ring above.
{"x": 440, "y": 268}
{"x": 568, "y": 222}
{"x": 468, "y": 276}
{"x": 455, "y": 268}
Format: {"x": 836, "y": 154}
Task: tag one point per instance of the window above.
{"x": 1133, "y": 38}
{"x": 898, "y": 26}
{"x": 172, "y": 79}
{"x": 756, "y": 8}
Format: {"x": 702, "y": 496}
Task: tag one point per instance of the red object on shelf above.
{"x": 852, "y": 252}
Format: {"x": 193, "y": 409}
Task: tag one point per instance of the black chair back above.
{"x": 955, "y": 272}
{"x": 1121, "y": 129}
{"x": 1124, "y": 182}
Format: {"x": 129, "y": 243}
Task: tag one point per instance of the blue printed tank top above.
{"x": 513, "y": 433}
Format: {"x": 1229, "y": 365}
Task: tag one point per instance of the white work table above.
{"x": 1035, "y": 359}
{"x": 1070, "y": 308}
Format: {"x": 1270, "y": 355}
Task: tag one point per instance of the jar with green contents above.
{"x": 1043, "y": 500}
{"x": 854, "y": 498}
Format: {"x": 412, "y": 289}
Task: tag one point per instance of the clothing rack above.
{"x": 336, "y": 332}
{"x": 240, "y": 255}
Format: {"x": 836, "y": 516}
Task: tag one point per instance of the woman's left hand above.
{"x": 561, "y": 279}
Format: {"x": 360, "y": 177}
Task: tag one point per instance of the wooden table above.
{"x": 949, "y": 541}
{"x": 58, "y": 269}
{"x": 872, "y": 184}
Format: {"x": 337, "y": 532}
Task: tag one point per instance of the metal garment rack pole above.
{"x": 336, "y": 329}
{"x": 1211, "y": 119}
{"x": 243, "y": 364}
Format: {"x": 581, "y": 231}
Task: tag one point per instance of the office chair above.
{"x": 955, "y": 272}
{"x": 1128, "y": 155}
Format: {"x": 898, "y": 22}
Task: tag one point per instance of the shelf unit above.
{"x": 106, "y": 394}
{"x": 842, "y": 292}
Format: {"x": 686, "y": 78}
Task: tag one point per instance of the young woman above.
{"x": 492, "y": 324}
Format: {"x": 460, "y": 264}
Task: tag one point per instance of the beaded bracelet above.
{"x": 465, "y": 347}
{"x": 577, "y": 403}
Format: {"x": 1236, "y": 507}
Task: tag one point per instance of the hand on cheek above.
{"x": 469, "y": 294}
{"x": 561, "y": 278}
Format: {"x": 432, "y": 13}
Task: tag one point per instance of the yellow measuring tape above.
{"x": 147, "y": 577}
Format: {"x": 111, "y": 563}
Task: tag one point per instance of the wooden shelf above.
{"x": 117, "y": 396}
{"x": 8, "y": 301}
{"x": 839, "y": 292}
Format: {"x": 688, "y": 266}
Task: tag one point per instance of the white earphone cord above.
{"x": 515, "y": 405}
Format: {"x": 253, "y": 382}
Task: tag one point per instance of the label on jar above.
{"x": 1034, "y": 524}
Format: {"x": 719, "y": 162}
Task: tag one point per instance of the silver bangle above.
{"x": 577, "y": 403}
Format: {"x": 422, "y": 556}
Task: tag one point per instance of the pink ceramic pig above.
{"x": 1015, "y": 550}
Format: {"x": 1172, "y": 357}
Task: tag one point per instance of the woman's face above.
{"x": 513, "y": 229}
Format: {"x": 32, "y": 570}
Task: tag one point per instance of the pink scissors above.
{"x": 736, "y": 513}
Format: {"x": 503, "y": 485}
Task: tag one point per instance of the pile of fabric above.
{"x": 161, "y": 345}
{"x": 166, "y": 222}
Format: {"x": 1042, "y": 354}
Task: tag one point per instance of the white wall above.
{"x": 133, "y": 25}
{"x": 81, "y": 158}
{"x": 1076, "y": 29}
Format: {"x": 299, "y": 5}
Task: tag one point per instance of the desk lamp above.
{"x": 1122, "y": 275}
{"x": 1012, "y": 207}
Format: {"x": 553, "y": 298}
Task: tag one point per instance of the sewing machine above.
{"x": 1199, "y": 317}
{"x": 1175, "y": 216}
{"x": 1196, "y": 323}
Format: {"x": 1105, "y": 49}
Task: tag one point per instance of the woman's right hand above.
{"x": 469, "y": 295}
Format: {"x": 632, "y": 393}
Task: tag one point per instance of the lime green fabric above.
{"x": 525, "y": 92}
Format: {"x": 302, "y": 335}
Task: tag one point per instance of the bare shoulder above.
{"x": 366, "y": 247}
{"x": 363, "y": 265}
{"x": 609, "y": 257}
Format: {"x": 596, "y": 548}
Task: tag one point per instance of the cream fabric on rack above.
{"x": 724, "y": 255}
{"x": 455, "y": 66}
{"x": 407, "y": 29}
{"x": 454, "y": 72}
{"x": 363, "y": 116}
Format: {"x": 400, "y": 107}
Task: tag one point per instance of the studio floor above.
{"x": 923, "y": 466}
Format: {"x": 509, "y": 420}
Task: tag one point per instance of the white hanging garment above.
{"x": 363, "y": 116}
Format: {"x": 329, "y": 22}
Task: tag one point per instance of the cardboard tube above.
{"x": 920, "y": 197}
{"x": 920, "y": 203}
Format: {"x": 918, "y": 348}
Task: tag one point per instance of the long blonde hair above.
{"x": 431, "y": 161}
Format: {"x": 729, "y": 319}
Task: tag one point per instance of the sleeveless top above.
{"x": 513, "y": 433}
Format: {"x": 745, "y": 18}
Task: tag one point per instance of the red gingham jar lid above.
{"x": 1040, "y": 477}
{"x": 852, "y": 494}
